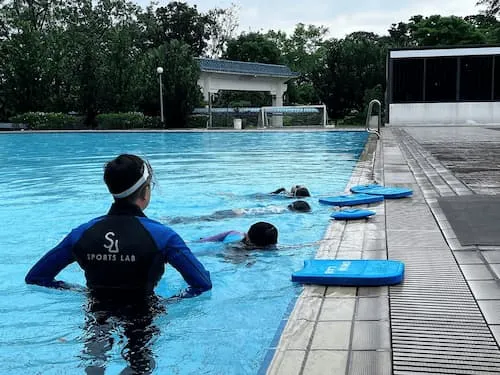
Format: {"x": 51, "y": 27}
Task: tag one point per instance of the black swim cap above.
{"x": 302, "y": 192}
{"x": 301, "y": 206}
{"x": 263, "y": 234}
{"x": 125, "y": 174}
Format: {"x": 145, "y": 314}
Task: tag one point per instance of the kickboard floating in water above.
{"x": 386, "y": 191}
{"x": 352, "y": 214}
{"x": 351, "y": 199}
{"x": 346, "y": 272}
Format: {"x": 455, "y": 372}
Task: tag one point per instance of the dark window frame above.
{"x": 476, "y": 74}
{"x": 403, "y": 72}
{"x": 441, "y": 79}
{"x": 460, "y": 80}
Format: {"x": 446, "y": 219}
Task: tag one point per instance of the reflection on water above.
{"x": 132, "y": 321}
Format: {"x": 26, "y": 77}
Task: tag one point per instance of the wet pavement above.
{"x": 473, "y": 155}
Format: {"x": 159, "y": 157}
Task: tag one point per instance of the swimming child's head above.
{"x": 262, "y": 234}
{"x": 299, "y": 206}
{"x": 300, "y": 191}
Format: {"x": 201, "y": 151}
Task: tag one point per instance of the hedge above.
{"x": 48, "y": 121}
{"x": 127, "y": 120}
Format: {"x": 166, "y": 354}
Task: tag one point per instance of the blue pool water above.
{"x": 53, "y": 182}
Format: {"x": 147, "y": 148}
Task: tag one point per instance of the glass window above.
{"x": 496, "y": 95}
{"x": 408, "y": 80}
{"x": 441, "y": 79}
{"x": 476, "y": 77}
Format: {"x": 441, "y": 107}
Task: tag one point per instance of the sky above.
{"x": 341, "y": 17}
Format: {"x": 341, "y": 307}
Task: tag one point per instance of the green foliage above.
{"x": 178, "y": 21}
{"x": 376, "y": 92}
{"x": 92, "y": 56}
{"x": 181, "y": 91}
{"x": 487, "y": 25}
{"x": 444, "y": 31}
{"x": 303, "y": 119}
{"x": 152, "y": 122}
{"x": 253, "y": 47}
{"x": 101, "y": 56}
{"x": 302, "y": 93}
{"x": 436, "y": 30}
{"x": 302, "y": 52}
{"x": 355, "y": 119}
{"x": 48, "y": 121}
{"x": 352, "y": 66}
{"x": 241, "y": 99}
{"x": 197, "y": 122}
{"x": 129, "y": 120}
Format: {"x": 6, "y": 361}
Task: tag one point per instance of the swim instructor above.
{"x": 123, "y": 252}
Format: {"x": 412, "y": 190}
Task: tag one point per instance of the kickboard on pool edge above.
{"x": 347, "y": 272}
{"x": 387, "y": 192}
{"x": 352, "y": 214}
{"x": 351, "y": 199}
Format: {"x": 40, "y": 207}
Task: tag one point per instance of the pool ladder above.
{"x": 369, "y": 117}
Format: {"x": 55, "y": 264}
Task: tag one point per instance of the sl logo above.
{"x": 112, "y": 246}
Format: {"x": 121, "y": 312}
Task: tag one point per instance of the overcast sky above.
{"x": 340, "y": 16}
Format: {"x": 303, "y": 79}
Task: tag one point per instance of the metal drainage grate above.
{"x": 437, "y": 327}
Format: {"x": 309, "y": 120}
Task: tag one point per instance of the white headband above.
{"x": 135, "y": 186}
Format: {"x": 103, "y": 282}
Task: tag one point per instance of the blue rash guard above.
{"x": 122, "y": 252}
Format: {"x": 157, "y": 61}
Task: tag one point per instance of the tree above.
{"x": 492, "y": 6}
{"x": 302, "y": 52}
{"x": 181, "y": 91}
{"x": 400, "y": 36}
{"x": 23, "y": 62}
{"x": 435, "y": 31}
{"x": 350, "y": 68}
{"x": 487, "y": 25}
{"x": 221, "y": 30}
{"x": 121, "y": 76}
{"x": 179, "y": 21}
{"x": 100, "y": 52}
{"x": 253, "y": 47}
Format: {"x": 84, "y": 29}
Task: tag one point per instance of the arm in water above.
{"x": 43, "y": 273}
{"x": 182, "y": 259}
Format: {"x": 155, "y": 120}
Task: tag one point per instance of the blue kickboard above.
{"x": 386, "y": 191}
{"x": 347, "y": 272}
{"x": 352, "y": 214}
{"x": 351, "y": 199}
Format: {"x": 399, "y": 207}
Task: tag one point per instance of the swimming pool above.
{"x": 52, "y": 182}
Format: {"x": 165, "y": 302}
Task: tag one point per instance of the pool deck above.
{"x": 445, "y": 316}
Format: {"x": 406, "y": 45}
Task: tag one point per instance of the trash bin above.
{"x": 237, "y": 123}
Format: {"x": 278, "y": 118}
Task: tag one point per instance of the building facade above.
{"x": 443, "y": 86}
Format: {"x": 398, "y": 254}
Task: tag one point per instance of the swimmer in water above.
{"x": 123, "y": 250}
{"x": 297, "y": 206}
{"x": 295, "y": 192}
{"x": 259, "y": 235}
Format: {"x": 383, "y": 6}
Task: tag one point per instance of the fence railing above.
{"x": 377, "y": 117}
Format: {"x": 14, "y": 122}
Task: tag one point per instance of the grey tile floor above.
{"x": 384, "y": 330}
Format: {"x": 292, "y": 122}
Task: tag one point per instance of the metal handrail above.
{"x": 369, "y": 115}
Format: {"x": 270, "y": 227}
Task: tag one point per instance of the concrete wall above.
{"x": 468, "y": 113}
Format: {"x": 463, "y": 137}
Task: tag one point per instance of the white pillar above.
{"x": 210, "y": 122}
{"x": 204, "y": 83}
{"x": 277, "y": 96}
